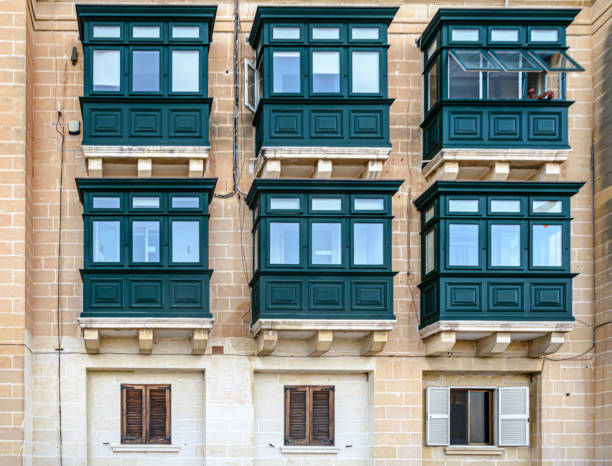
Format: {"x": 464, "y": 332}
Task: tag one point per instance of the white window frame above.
{"x": 251, "y": 106}
{"x": 497, "y": 419}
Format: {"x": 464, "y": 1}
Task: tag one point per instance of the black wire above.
{"x": 58, "y": 125}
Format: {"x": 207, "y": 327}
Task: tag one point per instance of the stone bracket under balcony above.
{"x": 146, "y": 161}
{"x": 496, "y": 164}
{"x": 146, "y": 330}
{"x": 321, "y": 334}
{"x": 321, "y": 162}
{"x": 492, "y": 338}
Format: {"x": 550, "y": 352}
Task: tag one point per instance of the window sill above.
{"x": 309, "y": 450}
{"x": 473, "y": 450}
{"x": 144, "y": 448}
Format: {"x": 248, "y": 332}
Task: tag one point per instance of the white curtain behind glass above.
{"x": 463, "y": 245}
{"x": 185, "y": 71}
{"x": 326, "y": 243}
{"x": 106, "y": 70}
{"x": 284, "y": 243}
{"x": 185, "y": 241}
{"x": 106, "y": 241}
{"x": 368, "y": 244}
{"x": 547, "y": 246}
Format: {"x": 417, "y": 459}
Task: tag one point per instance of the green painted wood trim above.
{"x": 199, "y": 13}
{"x": 516, "y": 188}
{"x": 334, "y": 15}
{"x": 320, "y": 186}
{"x": 151, "y": 185}
{"x": 494, "y": 16}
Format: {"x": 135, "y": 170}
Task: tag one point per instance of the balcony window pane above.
{"x": 326, "y": 33}
{"x": 546, "y": 207}
{"x": 256, "y": 249}
{"x": 286, "y": 33}
{"x": 544, "y": 35}
{"x": 365, "y": 203}
{"x": 100, "y": 202}
{"x": 185, "y": 241}
{"x": 366, "y": 72}
{"x": 326, "y": 243}
{"x": 142, "y": 202}
{"x": 185, "y": 202}
{"x": 145, "y": 241}
{"x": 546, "y": 246}
{"x": 502, "y": 206}
{"x": 429, "y": 213}
{"x": 463, "y": 245}
{"x": 432, "y": 85}
{"x": 107, "y": 32}
{"x": 480, "y": 415}
{"x": 459, "y": 417}
{"x": 432, "y": 48}
{"x": 475, "y": 60}
{"x": 465, "y": 35}
{"x": 106, "y": 70}
{"x": 284, "y": 203}
{"x": 145, "y": 71}
{"x": 286, "y": 72}
{"x": 462, "y": 84}
{"x": 430, "y": 251}
{"x": 364, "y": 34}
{"x": 463, "y": 205}
{"x": 145, "y": 32}
{"x": 516, "y": 60}
{"x": 106, "y": 244}
{"x": 504, "y": 85}
{"x": 504, "y": 35}
{"x": 368, "y": 244}
{"x": 185, "y": 71}
{"x": 284, "y": 243}
{"x": 185, "y": 32}
{"x": 326, "y": 71}
{"x": 326, "y": 203}
{"x": 505, "y": 245}
{"x": 556, "y": 60}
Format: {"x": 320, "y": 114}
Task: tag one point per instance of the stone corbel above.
{"x": 373, "y": 170}
{"x": 499, "y": 171}
{"x": 321, "y": 342}
{"x": 323, "y": 169}
{"x": 91, "y": 336}
{"x": 448, "y": 171}
{"x": 196, "y": 168}
{"x": 550, "y": 171}
{"x": 440, "y": 344}
{"x": 94, "y": 167}
{"x": 493, "y": 344}
{"x": 145, "y": 340}
{"x": 199, "y": 340}
{"x": 271, "y": 169}
{"x": 547, "y": 344}
{"x": 145, "y": 167}
{"x": 373, "y": 343}
{"x": 266, "y": 342}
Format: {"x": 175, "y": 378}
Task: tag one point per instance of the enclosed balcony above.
{"x": 496, "y": 265}
{"x": 322, "y": 262}
{"x": 145, "y": 258}
{"x": 318, "y": 91}
{"x": 495, "y": 94}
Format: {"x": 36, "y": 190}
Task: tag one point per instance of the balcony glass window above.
{"x": 368, "y": 244}
{"x": 463, "y": 205}
{"x": 105, "y": 202}
{"x": 505, "y": 245}
{"x": 185, "y": 71}
{"x": 107, "y": 32}
{"x": 185, "y": 202}
{"x": 505, "y": 85}
{"x": 326, "y": 204}
{"x": 287, "y": 33}
{"x": 462, "y": 84}
{"x": 546, "y": 206}
{"x": 106, "y": 70}
{"x": 430, "y": 251}
{"x": 326, "y": 243}
{"x": 286, "y": 66}
{"x": 432, "y": 83}
{"x": 555, "y": 60}
{"x": 364, "y": 72}
{"x": 325, "y": 33}
{"x": 515, "y": 60}
{"x": 463, "y": 245}
{"x": 544, "y": 35}
{"x": 284, "y": 243}
{"x": 368, "y": 203}
{"x": 145, "y": 202}
{"x": 504, "y": 35}
{"x": 185, "y": 241}
{"x": 185, "y": 32}
{"x": 465, "y": 35}
{"x": 547, "y": 248}
{"x": 284, "y": 203}
{"x": 145, "y": 71}
{"x": 146, "y": 32}
{"x": 145, "y": 241}
{"x": 325, "y": 72}
{"x": 106, "y": 241}
{"x": 358, "y": 33}
{"x": 505, "y": 206}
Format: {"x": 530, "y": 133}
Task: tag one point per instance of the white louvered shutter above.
{"x": 513, "y": 409}
{"x": 438, "y": 407}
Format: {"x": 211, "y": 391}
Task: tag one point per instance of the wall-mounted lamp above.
{"x": 74, "y": 57}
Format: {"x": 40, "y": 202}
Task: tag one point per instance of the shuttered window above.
{"x": 309, "y": 415}
{"x": 145, "y": 413}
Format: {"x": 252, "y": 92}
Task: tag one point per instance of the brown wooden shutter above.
{"x": 322, "y": 431}
{"x": 132, "y": 414}
{"x": 158, "y": 402}
{"x": 296, "y": 415}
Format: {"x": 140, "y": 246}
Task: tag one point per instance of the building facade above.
{"x": 255, "y": 234}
